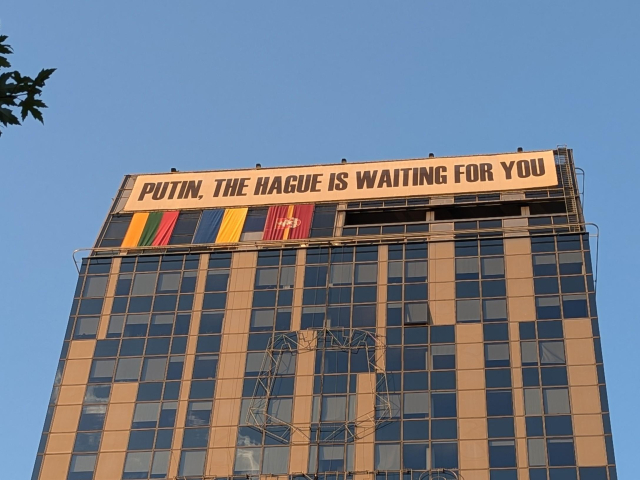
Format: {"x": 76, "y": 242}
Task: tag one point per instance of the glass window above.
{"x": 445, "y": 455}
{"x": 199, "y": 414}
{"x": 168, "y": 282}
{"x": 499, "y": 403}
{"x": 494, "y": 310}
{"x": 266, "y": 278}
{"x": 502, "y": 453}
{"x": 496, "y": 354}
{"x": 468, "y": 310}
{"x": 95, "y": 286}
{"x": 144, "y": 284}
{"x": 536, "y": 450}
{"x": 154, "y": 368}
{"x": 92, "y": 417}
{"x": 416, "y": 313}
{"x": 443, "y": 405}
{"x": 102, "y": 371}
{"x": 145, "y": 415}
{"x": 544, "y": 265}
{"x": 160, "y": 464}
{"x": 416, "y": 405}
{"x": 341, "y": 274}
{"x": 86, "y": 327}
{"x": 556, "y": 400}
{"x": 192, "y": 463}
{"x": 387, "y": 457}
{"x": 532, "y": 403}
{"x": 330, "y": 458}
{"x": 492, "y": 267}
{"x": 416, "y": 456}
{"x": 128, "y": 369}
{"x": 467, "y": 268}
{"x": 552, "y": 352}
{"x": 560, "y": 451}
{"x": 366, "y": 273}
{"x": 82, "y": 467}
{"x": 529, "y": 353}
{"x": 275, "y": 460}
{"x": 415, "y": 271}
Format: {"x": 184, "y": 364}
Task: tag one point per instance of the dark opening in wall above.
{"x": 450, "y": 212}
{"x": 547, "y": 208}
{"x": 381, "y": 217}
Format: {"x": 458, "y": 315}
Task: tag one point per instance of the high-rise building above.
{"x": 398, "y": 320}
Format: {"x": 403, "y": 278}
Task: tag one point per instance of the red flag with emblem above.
{"x": 288, "y": 222}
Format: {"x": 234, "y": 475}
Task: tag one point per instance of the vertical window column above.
{"x": 233, "y": 362}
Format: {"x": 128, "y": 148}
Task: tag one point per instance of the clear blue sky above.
{"x": 148, "y": 85}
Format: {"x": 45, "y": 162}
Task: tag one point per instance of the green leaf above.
{"x": 7, "y": 117}
{"x": 43, "y": 76}
{"x": 4, "y": 63}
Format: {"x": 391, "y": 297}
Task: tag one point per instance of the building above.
{"x": 428, "y": 318}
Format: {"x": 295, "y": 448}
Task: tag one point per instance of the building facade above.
{"x": 401, "y": 320}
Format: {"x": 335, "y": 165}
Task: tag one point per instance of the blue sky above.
{"x": 149, "y": 85}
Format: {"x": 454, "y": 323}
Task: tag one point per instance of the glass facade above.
{"x": 401, "y": 338}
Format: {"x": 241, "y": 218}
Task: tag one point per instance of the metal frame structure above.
{"x": 332, "y": 339}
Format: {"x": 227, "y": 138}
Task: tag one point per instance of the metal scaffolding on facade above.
{"x": 328, "y": 339}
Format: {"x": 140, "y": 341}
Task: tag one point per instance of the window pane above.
{"x": 192, "y": 463}
{"x": 82, "y": 467}
{"x": 128, "y": 369}
{"x": 387, "y": 457}
{"x": 536, "y": 452}
{"x": 529, "y": 353}
{"x": 154, "y": 368}
{"x": 416, "y": 405}
{"x": 468, "y": 310}
{"x": 144, "y": 284}
{"x": 494, "y": 310}
{"x": 145, "y": 415}
{"x": 492, "y": 267}
{"x": 552, "y": 352}
{"x": 556, "y": 400}
{"x": 266, "y": 278}
{"x": 95, "y": 286}
{"x": 168, "y": 282}
{"x": 341, "y": 274}
{"x": 366, "y": 273}
{"x": 415, "y": 271}
{"x": 466, "y": 268}
{"x": 276, "y": 460}
{"x": 137, "y": 465}
{"x": 247, "y": 460}
{"x": 416, "y": 313}
{"x": 532, "y": 404}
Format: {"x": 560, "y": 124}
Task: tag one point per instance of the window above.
{"x": 185, "y": 227}
{"x": 323, "y": 221}
{"x": 275, "y": 460}
{"x": 416, "y": 456}
{"x": 115, "y": 232}
{"x": 92, "y": 417}
{"x": 82, "y": 467}
{"x": 499, "y": 403}
{"x": 254, "y": 224}
{"x": 556, "y": 400}
{"x": 387, "y": 457}
{"x": 502, "y": 453}
{"x": 560, "y": 451}
{"x": 192, "y": 463}
{"x": 86, "y": 327}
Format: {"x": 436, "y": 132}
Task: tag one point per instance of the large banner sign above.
{"x": 343, "y": 182}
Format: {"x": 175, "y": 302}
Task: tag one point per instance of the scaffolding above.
{"x": 328, "y": 339}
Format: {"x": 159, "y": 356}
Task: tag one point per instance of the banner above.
{"x": 343, "y": 182}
